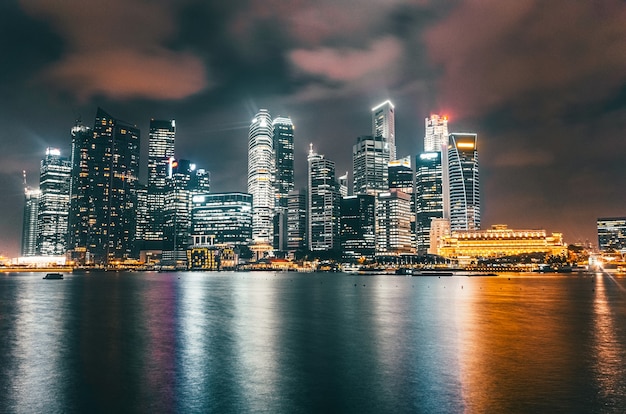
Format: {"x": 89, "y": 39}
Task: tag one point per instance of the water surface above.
{"x": 308, "y": 343}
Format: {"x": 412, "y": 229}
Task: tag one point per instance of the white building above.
{"x": 261, "y": 177}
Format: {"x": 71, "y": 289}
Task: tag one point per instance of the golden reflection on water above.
{"x": 515, "y": 346}
{"x": 608, "y": 351}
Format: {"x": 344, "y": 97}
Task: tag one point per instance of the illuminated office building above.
{"x": 383, "y": 125}
{"x": 428, "y": 197}
{"x": 462, "y": 195}
{"x": 54, "y": 202}
{"x": 436, "y": 135}
{"x": 221, "y": 219}
{"x": 261, "y": 166}
{"x": 184, "y": 182}
{"x": 500, "y": 241}
{"x": 612, "y": 234}
{"x": 323, "y": 204}
{"x": 297, "y": 221}
{"x": 358, "y": 228}
{"x": 370, "y": 162}
{"x": 105, "y": 168}
{"x": 393, "y": 223}
{"x": 29, "y": 220}
{"x": 284, "y": 178}
{"x": 161, "y": 142}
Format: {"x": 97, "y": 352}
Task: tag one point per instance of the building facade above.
{"x": 29, "y": 221}
{"x": 284, "y": 178}
{"x": 393, "y": 223}
{"x": 323, "y": 204}
{"x": 500, "y": 241}
{"x": 184, "y": 182}
{"x": 105, "y": 169}
{"x": 54, "y": 203}
{"x": 221, "y": 219}
{"x": 297, "y": 221}
{"x": 428, "y": 197}
{"x": 261, "y": 167}
{"x": 370, "y": 165}
{"x": 612, "y": 234}
{"x": 161, "y": 144}
{"x": 358, "y": 228}
{"x": 463, "y": 193}
{"x": 384, "y": 125}
{"x": 436, "y": 136}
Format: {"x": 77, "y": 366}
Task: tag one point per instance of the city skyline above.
{"x": 550, "y": 120}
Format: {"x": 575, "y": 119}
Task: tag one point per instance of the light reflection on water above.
{"x": 265, "y": 342}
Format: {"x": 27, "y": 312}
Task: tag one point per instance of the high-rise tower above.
{"x": 29, "y": 221}
{"x": 54, "y": 202}
{"x": 261, "y": 177}
{"x": 428, "y": 196}
{"x": 436, "y": 133}
{"x": 105, "y": 168}
{"x": 370, "y": 163}
{"x": 284, "y": 178}
{"x": 462, "y": 198}
{"x": 161, "y": 142}
{"x": 324, "y": 204}
{"x": 383, "y": 125}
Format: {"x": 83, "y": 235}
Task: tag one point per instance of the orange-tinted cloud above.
{"x": 118, "y": 49}
{"x": 493, "y": 52}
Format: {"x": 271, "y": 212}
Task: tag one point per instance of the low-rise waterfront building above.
{"x": 500, "y": 241}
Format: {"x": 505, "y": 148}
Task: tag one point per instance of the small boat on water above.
{"x": 53, "y": 276}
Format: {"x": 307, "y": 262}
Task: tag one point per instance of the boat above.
{"x": 53, "y": 276}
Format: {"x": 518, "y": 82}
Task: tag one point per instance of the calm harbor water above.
{"x": 311, "y": 343}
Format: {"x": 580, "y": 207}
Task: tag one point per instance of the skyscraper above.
{"x": 463, "y": 194}
{"x": 358, "y": 228}
{"x": 82, "y": 194}
{"x": 370, "y": 160}
{"x": 54, "y": 202}
{"x": 428, "y": 197}
{"x": 402, "y": 178}
{"x": 383, "y": 125}
{"x": 284, "y": 178}
{"x": 222, "y": 218}
{"x": 105, "y": 168}
{"x": 323, "y": 199}
{"x": 161, "y": 143}
{"x": 29, "y": 220}
{"x": 436, "y": 133}
{"x": 261, "y": 177}
{"x": 393, "y": 223}
{"x": 297, "y": 220}
{"x": 184, "y": 181}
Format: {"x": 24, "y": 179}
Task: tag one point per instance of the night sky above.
{"x": 543, "y": 83}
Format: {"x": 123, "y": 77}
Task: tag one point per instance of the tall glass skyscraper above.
{"x": 184, "y": 181}
{"x": 370, "y": 163}
{"x": 384, "y": 125}
{"x": 54, "y": 202}
{"x": 323, "y": 199}
{"x": 428, "y": 196}
{"x": 463, "y": 194}
{"x": 297, "y": 220}
{"x": 358, "y": 228}
{"x": 105, "y": 168}
{"x": 29, "y": 220}
{"x": 436, "y": 133}
{"x": 222, "y": 218}
{"x": 261, "y": 166}
{"x": 161, "y": 142}
{"x": 284, "y": 178}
